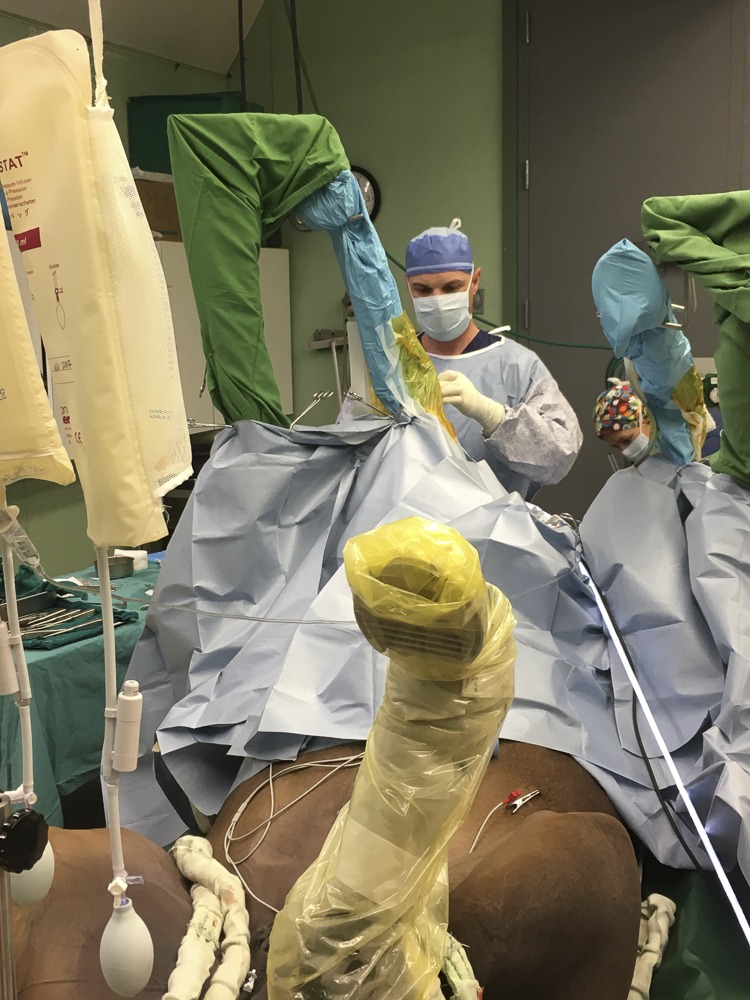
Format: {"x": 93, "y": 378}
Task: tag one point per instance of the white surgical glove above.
{"x": 461, "y": 392}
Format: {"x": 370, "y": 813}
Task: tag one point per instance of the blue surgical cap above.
{"x": 439, "y": 249}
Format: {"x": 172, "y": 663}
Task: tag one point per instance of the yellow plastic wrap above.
{"x": 688, "y": 394}
{"x": 368, "y": 919}
{"x": 418, "y": 588}
{"x": 420, "y": 375}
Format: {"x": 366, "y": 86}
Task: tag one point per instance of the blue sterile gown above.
{"x": 540, "y": 437}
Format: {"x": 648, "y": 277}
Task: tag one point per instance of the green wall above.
{"x": 55, "y": 519}
{"x": 415, "y": 90}
{"x": 129, "y": 73}
{"x": 55, "y": 516}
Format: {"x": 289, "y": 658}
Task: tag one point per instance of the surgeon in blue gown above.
{"x": 504, "y": 403}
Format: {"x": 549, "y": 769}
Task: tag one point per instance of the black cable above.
{"x": 241, "y": 30}
{"x": 303, "y": 65}
{"x": 646, "y": 760}
{"x": 296, "y": 54}
{"x": 666, "y": 806}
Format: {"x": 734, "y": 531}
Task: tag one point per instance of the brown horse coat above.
{"x": 56, "y": 942}
{"x": 548, "y": 903}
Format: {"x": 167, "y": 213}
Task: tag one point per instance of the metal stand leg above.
{"x": 7, "y": 958}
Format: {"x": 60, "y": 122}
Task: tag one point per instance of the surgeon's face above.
{"x": 443, "y": 283}
{"x": 621, "y": 439}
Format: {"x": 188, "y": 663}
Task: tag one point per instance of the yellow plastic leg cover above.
{"x": 368, "y": 919}
{"x": 30, "y": 445}
{"x": 99, "y": 293}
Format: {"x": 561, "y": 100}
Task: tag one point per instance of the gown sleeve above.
{"x": 540, "y": 437}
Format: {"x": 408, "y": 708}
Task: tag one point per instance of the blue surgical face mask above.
{"x": 637, "y": 449}
{"x": 444, "y": 317}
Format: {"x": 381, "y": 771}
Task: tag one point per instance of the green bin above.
{"x": 147, "y": 122}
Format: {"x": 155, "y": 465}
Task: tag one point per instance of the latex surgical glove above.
{"x": 460, "y": 391}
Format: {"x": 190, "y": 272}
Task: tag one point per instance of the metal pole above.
{"x": 7, "y": 958}
{"x": 241, "y": 33}
{"x": 296, "y": 55}
{"x": 337, "y": 374}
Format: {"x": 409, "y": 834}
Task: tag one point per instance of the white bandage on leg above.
{"x": 657, "y": 917}
{"x": 219, "y": 902}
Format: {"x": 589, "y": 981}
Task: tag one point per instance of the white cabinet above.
{"x": 277, "y": 320}
{"x": 274, "y": 293}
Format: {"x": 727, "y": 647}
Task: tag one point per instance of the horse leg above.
{"x": 551, "y": 910}
{"x": 56, "y": 942}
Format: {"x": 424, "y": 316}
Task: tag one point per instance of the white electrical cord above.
{"x": 484, "y": 824}
{"x": 204, "y": 612}
{"x": 332, "y": 766}
{"x": 700, "y": 829}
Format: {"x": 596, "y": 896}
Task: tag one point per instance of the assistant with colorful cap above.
{"x": 621, "y": 421}
{"x": 505, "y": 405}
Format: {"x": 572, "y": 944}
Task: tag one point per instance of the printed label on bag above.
{"x": 30, "y": 240}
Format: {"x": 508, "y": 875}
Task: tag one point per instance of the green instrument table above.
{"x": 67, "y": 708}
{"x": 707, "y": 957}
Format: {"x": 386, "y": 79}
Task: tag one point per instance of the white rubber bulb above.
{"x": 126, "y": 952}
{"x": 29, "y": 888}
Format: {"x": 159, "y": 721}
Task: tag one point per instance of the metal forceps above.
{"x": 317, "y": 396}
{"x": 517, "y": 803}
{"x": 355, "y": 397}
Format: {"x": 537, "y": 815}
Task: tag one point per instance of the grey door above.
{"x": 617, "y": 102}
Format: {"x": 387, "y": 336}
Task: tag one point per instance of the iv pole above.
{"x": 7, "y": 958}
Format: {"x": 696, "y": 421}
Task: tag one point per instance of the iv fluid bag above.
{"x": 30, "y": 445}
{"x": 99, "y": 293}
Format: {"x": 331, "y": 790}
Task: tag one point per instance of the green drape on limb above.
{"x": 236, "y": 177}
{"x": 709, "y": 236}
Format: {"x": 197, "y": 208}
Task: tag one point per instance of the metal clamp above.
{"x": 354, "y": 397}
{"x": 517, "y": 803}
{"x": 317, "y": 396}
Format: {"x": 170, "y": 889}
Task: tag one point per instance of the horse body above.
{"x": 548, "y": 902}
